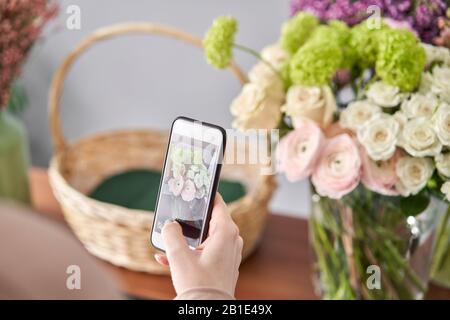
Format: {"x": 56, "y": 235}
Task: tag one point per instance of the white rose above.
{"x": 445, "y": 189}
{"x": 402, "y": 120}
{"x": 379, "y": 136}
{"x": 384, "y": 95}
{"x": 436, "y": 54}
{"x": 314, "y": 103}
{"x": 419, "y": 105}
{"x": 419, "y": 139}
{"x": 442, "y": 124}
{"x": 275, "y": 55}
{"x": 426, "y": 82}
{"x": 357, "y": 114}
{"x": 441, "y": 82}
{"x": 443, "y": 164}
{"x": 265, "y": 77}
{"x": 255, "y": 108}
{"x": 413, "y": 174}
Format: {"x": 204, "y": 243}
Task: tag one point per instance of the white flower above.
{"x": 442, "y": 124}
{"x": 436, "y": 54}
{"x": 268, "y": 79}
{"x": 357, "y": 114}
{"x": 419, "y": 139}
{"x": 419, "y": 105}
{"x": 384, "y": 95}
{"x": 445, "y": 189}
{"x": 426, "y": 83}
{"x": 379, "y": 136}
{"x": 275, "y": 55}
{"x": 414, "y": 174}
{"x": 443, "y": 164}
{"x": 256, "y": 108}
{"x": 315, "y": 103}
{"x": 441, "y": 82}
{"x": 402, "y": 120}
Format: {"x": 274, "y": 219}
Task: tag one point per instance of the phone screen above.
{"x": 187, "y": 182}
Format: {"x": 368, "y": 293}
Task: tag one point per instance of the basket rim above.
{"x": 128, "y": 216}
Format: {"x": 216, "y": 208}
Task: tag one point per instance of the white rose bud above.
{"x": 426, "y": 83}
{"x": 265, "y": 77}
{"x": 442, "y": 124}
{"x": 357, "y": 114}
{"x": 315, "y": 103}
{"x": 441, "y": 82}
{"x": 419, "y": 105}
{"x": 436, "y": 54}
{"x": 379, "y": 136}
{"x": 419, "y": 139}
{"x": 445, "y": 189}
{"x": 413, "y": 174}
{"x": 275, "y": 55}
{"x": 443, "y": 164}
{"x": 384, "y": 95}
{"x": 256, "y": 108}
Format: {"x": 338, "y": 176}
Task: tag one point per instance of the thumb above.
{"x": 174, "y": 241}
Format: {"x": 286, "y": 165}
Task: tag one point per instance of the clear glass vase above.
{"x": 368, "y": 246}
{"x": 13, "y": 160}
{"x": 441, "y": 259}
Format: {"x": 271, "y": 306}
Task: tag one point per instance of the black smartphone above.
{"x": 189, "y": 180}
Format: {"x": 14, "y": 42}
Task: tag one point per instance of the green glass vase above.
{"x": 14, "y": 184}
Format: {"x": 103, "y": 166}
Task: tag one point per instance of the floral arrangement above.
{"x": 365, "y": 114}
{"x": 427, "y": 18}
{"x": 189, "y": 179}
{"x": 21, "y": 23}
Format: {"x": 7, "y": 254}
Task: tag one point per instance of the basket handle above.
{"x": 104, "y": 34}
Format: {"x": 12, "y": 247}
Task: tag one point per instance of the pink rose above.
{"x": 338, "y": 171}
{"x": 380, "y": 176}
{"x": 298, "y": 151}
{"x": 176, "y": 185}
{"x": 188, "y": 193}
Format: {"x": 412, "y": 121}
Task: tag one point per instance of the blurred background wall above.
{"x": 145, "y": 81}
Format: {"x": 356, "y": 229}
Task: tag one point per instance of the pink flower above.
{"x": 338, "y": 171}
{"x": 188, "y": 193}
{"x": 176, "y": 185}
{"x": 380, "y": 176}
{"x": 297, "y": 152}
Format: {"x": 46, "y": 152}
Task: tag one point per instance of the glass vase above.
{"x": 370, "y": 246}
{"x": 13, "y": 160}
{"x": 441, "y": 259}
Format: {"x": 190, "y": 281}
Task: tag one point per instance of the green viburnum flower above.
{"x": 297, "y": 30}
{"x": 219, "y": 40}
{"x": 338, "y": 32}
{"x": 315, "y": 63}
{"x": 401, "y": 59}
{"x": 364, "y": 41}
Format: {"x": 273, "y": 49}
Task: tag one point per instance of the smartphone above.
{"x": 189, "y": 180}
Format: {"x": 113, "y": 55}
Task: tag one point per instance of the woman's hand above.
{"x": 213, "y": 265}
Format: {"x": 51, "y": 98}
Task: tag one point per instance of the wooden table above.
{"x": 279, "y": 269}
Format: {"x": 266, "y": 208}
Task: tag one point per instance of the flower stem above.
{"x": 440, "y": 241}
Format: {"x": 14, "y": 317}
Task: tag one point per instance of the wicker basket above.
{"x": 114, "y": 233}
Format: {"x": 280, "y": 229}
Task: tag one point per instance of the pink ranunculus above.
{"x": 298, "y": 151}
{"x": 176, "y": 185}
{"x": 338, "y": 171}
{"x": 380, "y": 176}
{"x": 188, "y": 193}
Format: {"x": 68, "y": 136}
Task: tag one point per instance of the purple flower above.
{"x": 421, "y": 15}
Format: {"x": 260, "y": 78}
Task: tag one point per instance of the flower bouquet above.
{"x": 364, "y": 112}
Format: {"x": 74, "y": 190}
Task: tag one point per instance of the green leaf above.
{"x": 138, "y": 189}
{"x": 413, "y": 205}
